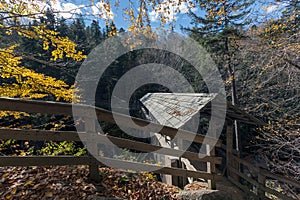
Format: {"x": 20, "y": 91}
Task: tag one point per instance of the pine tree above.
{"x": 96, "y": 33}
{"x": 63, "y": 28}
{"x": 78, "y": 28}
{"x": 219, "y": 30}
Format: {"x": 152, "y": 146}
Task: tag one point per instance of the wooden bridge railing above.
{"x": 257, "y": 179}
{"x": 255, "y": 186}
{"x": 30, "y": 106}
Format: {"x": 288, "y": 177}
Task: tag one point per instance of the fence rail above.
{"x": 30, "y": 106}
{"x": 258, "y": 182}
{"x": 47, "y": 107}
{"x": 19, "y": 134}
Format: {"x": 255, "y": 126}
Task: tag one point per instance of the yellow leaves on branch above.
{"x": 27, "y": 83}
{"x": 63, "y": 45}
{"x": 18, "y": 81}
{"x": 113, "y": 30}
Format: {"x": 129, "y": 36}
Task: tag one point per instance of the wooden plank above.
{"x": 47, "y": 107}
{"x": 235, "y": 113}
{"x": 231, "y": 163}
{"x": 250, "y": 180}
{"x": 262, "y": 173}
{"x": 229, "y": 145}
{"x": 43, "y": 160}
{"x": 92, "y": 147}
{"x": 274, "y": 192}
{"x": 250, "y": 118}
{"x": 168, "y": 178}
{"x": 85, "y": 160}
{"x": 281, "y": 178}
{"x": 19, "y": 134}
{"x": 210, "y": 151}
{"x": 163, "y": 170}
{"x": 32, "y": 106}
{"x": 234, "y": 152}
{"x": 248, "y": 164}
{"x": 262, "y": 183}
{"x": 157, "y": 128}
{"x": 242, "y": 187}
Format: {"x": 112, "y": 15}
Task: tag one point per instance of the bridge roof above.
{"x": 176, "y": 109}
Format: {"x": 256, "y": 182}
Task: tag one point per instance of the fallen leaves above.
{"x": 71, "y": 182}
{"x": 135, "y": 186}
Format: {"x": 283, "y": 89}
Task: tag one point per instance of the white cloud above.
{"x": 99, "y": 9}
{"x": 66, "y": 10}
{"x": 169, "y": 9}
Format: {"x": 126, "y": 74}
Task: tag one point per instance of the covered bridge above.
{"x": 187, "y": 111}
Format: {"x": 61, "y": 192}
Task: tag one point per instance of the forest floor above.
{"x": 71, "y": 182}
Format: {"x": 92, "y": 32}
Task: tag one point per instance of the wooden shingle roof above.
{"x": 175, "y": 109}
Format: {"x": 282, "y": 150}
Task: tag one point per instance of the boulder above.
{"x": 204, "y": 195}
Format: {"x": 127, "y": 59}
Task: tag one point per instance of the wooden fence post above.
{"x": 182, "y": 180}
{"x": 261, "y": 183}
{"x": 229, "y": 145}
{"x": 211, "y": 167}
{"x": 90, "y": 127}
{"x": 168, "y": 163}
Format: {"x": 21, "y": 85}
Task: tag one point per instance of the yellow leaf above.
{"x": 28, "y": 183}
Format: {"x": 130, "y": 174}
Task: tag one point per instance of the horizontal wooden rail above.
{"x": 18, "y": 134}
{"x": 276, "y": 193}
{"x": 85, "y": 160}
{"x": 46, "y": 107}
{"x": 281, "y": 178}
{"x": 266, "y": 173}
{"x": 243, "y": 162}
{"x": 44, "y": 160}
{"x": 263, "y": 173}
{"x": 243, "y": 187}
{"x": 38, "y": 135}
{"x": 250, "y": 180}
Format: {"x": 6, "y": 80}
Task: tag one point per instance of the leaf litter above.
{"x": 71, "y": 182}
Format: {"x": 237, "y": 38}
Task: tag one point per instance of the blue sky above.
{"x": 262, "y": 10}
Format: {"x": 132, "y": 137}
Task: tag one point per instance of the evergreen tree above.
{"x": 121, "y": 30}
{"x": 49, "y": 20}
{"x": 78, "y": 29}
{"x": 219, "y": 30}
{"x": 96, "y": 34}
{"x": 63, "y": 28}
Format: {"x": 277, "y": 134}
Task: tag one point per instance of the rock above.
{"x": 196, "y": 186}
{"x": 203, "y": 195}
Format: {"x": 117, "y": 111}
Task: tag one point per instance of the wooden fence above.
{"x": 30, "y": 106}
{"x": 255, "y": 181}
